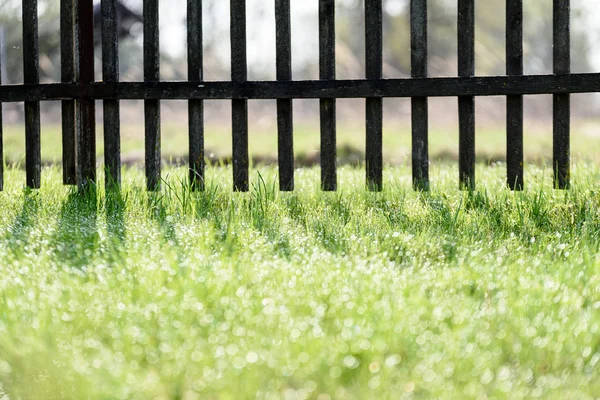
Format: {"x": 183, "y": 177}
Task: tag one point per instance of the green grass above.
{"x": 349, "y": 295}
{"x": 490, "y": 142}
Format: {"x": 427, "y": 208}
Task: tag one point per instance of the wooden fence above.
{"x": 78, "y": 91}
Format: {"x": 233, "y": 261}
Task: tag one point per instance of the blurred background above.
{"x": 490, "y": 60}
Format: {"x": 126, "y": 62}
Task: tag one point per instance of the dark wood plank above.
{"x": 420, "y": 109}
{"x": 285, "y": 126}
{"x": 239, "y": 114}
{"x": 1, "y": 123}
{"x": 514, "y": 104}
{"x": 68, "y": 75}
{"x": 466, "y": 104}
{"x": 1, "y": 145}
{"x": 86, "y": 107}
{"x": 319, "y": 89}
{"x": 327, "y": 105}
{"x": 374, "y": 105}
{"x": 110, "y": 73}
{"x": 562, "y": 102}
{"x": 195, "y": 107}
{"x": 152, "y": 107}
{"x": 33, "y": 158}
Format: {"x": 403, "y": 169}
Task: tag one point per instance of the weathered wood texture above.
{"x": 562, "y": 102}
{"x": 33, "y": 157}
{"x": 239, "y": 112}
{"x": 152, "y": 106}
{"x": 195, "y": 107}
{"x": 374, "y": 105}
{"x": 327, "y": 105}
{"x": 420, "y": 108}
{"x": 68, "y": 75}
{"x": 285, "y": 126}
{"x": 341, "y": 89}
{"x": 110, "y": 73}
{"x": 1, "y": 135}
{"x": 466, "y": 104}
{"x": 78, "y": 92}
{"x": 514, "y": 103}
{"x": 86, "y": 107}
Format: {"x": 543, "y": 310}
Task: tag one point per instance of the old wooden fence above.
{"x": 78, "y": 91}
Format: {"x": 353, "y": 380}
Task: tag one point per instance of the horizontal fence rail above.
{"x": 346, "y": 89}
{"x": 78, "y": 93}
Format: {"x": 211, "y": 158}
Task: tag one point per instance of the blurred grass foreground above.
{"x": 303, "y": 295}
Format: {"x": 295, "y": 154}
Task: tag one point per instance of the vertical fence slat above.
{"x": 239, "y": 114}
{"x": 195, "y": 107}
{"x": 374, "y": 106}
{"x": 33, "y": 162}
{"x": 110, "y": 73}
{"x": 514, "y": 104}
{"x": 562, "y": 102}
{"x": 327, "y": 106}
{"x": 1, "y": 122}
{"x": 420, "y": 114}
{"x": 466, "y": 104}
{"x": 68, "y": 75}
{"x": 285, "y": 140}
{"x": 152, "y": 107}
{"x": 86, "y": 108}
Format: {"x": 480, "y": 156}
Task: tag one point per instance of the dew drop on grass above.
{"x": 393, "y": 360}
{"x": 252, "y": 357}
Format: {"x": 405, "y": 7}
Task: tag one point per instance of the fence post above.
{"x": 33, "y": 163}
{"x": 514, "y": 104}
{"x": 374, "y": 105}
{"x": 562, "y": 102}
{"x": 195, "y": 107}
{"x": 328, "y": 106}
{"x": 2, "y": 46}
{"x": 68, "y": 75}
{"x": 3, "y": 71}
{"x": 239, "y": 107}
{"x": 285, "y": 127}
{"x": 466, "y": 104}
{"x": 86, "y": 107}
{"x": 420, "y": 109}
{"x": 110, "y": 73}
{"x": 152, "y": 107}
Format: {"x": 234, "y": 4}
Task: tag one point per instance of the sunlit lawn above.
{"x": 348, "y": 295}
{"x": 443, "y": 141}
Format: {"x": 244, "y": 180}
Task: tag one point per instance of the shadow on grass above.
{"x": 114, "y": 206}
{"x": 76, "y": 237}
{"x": 157, "y": 204}
{"x": 21, "y": 227}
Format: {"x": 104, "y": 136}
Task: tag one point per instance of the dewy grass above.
{"x": 350, "y": 295}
